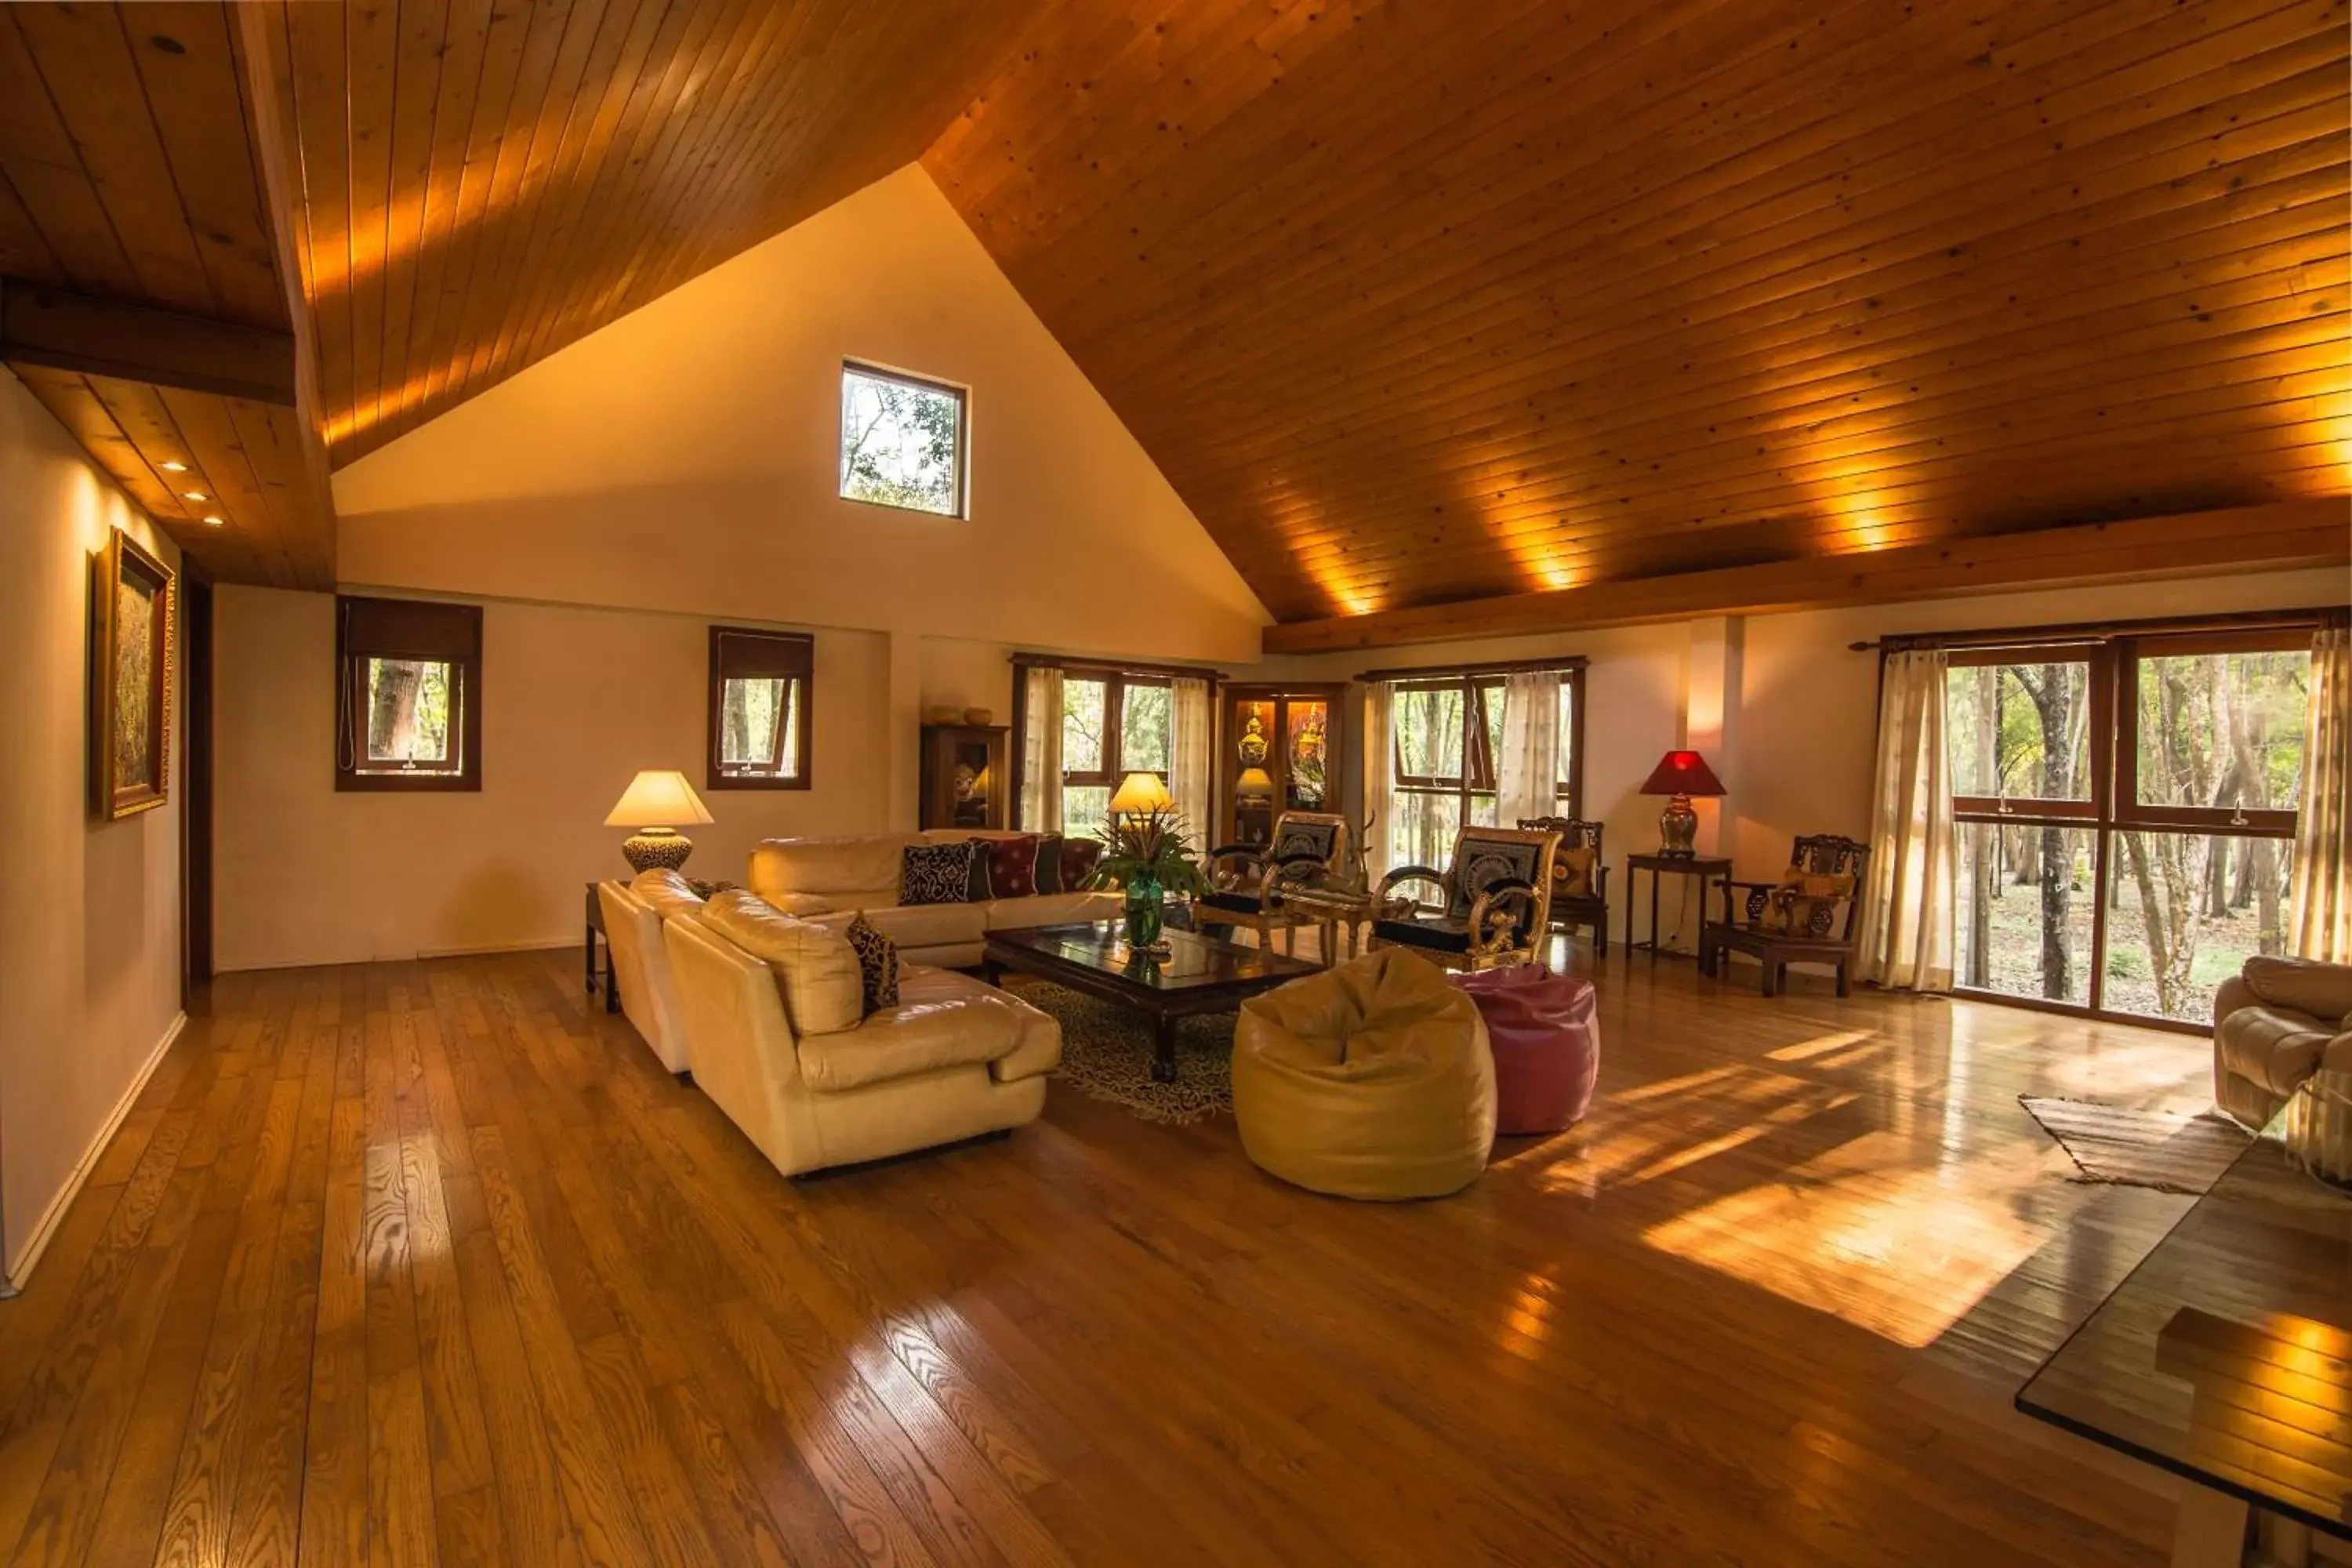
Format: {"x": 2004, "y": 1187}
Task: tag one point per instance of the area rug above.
{"x": 2154, "y": 1148}
{"x": 1107, "y": 1056}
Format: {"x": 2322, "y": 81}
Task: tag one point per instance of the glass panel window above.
{"x": 1085, "y": 706}
{"x": 1428, "y": 736}
{"x": 2021, "y": 730}
{"x": 2023, "y": 910}
{"x": 1085, "y": 809}
{"x": 1422, "y": 830}
{"x": 408, "y": 711}
{"x": 760, "y": 731}
{"x": 1142, "y": 728}
{"x": 901, "y": 441}
{"x": 2221, "y": 729}
{"x": 2186, "y": 910}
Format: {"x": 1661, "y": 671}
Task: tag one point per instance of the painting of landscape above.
{"x": 131, "y": 679}
{"x": 132, "y": 738}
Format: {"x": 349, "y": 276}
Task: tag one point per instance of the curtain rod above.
{"x": 1122, "y": 665}
{"x": 1461, "y": 671}
{"x": 2100, "y": 631}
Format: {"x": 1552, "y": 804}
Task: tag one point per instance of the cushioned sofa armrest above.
{"x": 800, "y": 905}
{"x": 2304, "y": 985}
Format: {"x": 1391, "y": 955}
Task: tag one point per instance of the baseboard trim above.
{"x": 543, "y": 944}
{"x": 46, "y": 1226}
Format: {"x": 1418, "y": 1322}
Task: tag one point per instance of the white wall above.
{"x": 574, "y": 702}
{"x": 685, "y": 459}
{"x": 90, "y": 945}
{"x": 1785, "y": 711}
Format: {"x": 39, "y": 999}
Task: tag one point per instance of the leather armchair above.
{"x": 2275, "y": 1023}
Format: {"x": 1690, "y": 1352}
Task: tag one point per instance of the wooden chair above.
{"x": 1497, "y": 911}
{"x": 1580, "y": 877}
{"x": 1245, "y": 881}
{"x": 1807, "y": 917}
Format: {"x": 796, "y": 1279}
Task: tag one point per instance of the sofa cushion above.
{"x": 919, "y": 925}
{"x": 936, "y": 873}
{"x": 667, "y": 893}
{"x": 942, "y": 1020}
{"x": 1571, "y": 872}
{"x": 859, "y": 865}
{"x": 2322, "y": 991}
{"x": 1051, "y": 910}
{"x": 1049, "y": 863}
{"x": 878, "y": 964}
{"x": 815, "y": 967}
{"x": 1807, "y": 904}
{"x": 1079, "y": 853}
{"x": 1012, "y": 866}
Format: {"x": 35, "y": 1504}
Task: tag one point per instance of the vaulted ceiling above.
{"x": 1413, "y": 303}
{"x": 1416, "y": 303}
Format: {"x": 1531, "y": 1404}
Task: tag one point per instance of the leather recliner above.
{"x": 2275, "y": 1023}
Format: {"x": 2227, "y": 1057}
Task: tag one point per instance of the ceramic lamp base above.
{"x": 662, "y": 848}
{"x": 1678, "y": 828}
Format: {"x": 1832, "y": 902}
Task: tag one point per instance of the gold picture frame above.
{"x": 134, "y": 647}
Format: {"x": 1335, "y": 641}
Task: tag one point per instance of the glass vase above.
{"x": 1142, "y": 913}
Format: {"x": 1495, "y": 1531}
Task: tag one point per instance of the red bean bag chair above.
{"x": 1547, "y": 1045}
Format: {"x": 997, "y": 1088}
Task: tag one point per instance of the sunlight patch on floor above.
{"x": 1866, "y": 1233}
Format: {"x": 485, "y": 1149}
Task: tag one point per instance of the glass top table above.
{"x": 2226, "y": 1356}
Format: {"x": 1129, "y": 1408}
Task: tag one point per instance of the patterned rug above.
{"x": 2140, "y": 1148}
{"x": 1106, "y": 1055}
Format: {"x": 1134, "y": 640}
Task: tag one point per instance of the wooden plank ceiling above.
{"x": 1425, "y": 303}
{"x": 127, "y": 176}
{"x": 482, "y": 184}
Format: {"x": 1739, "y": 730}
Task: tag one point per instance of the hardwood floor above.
{"x": 430, "y": 1262}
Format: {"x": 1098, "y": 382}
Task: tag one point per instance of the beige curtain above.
{"x": 1188, "y": 764}
{"x": 1906, "y": 939}
{"x": 1041, "y": 753}
{"x": 1528, "y": 773}
{"x": 1380, "y": 702}
{"x": 2321, "y": 908}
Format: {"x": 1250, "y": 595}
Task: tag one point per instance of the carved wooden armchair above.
{"x": 1807, "y": 917}
{"x": 1497, "y": 906}
{"x": 1579, "y": 877}
{"x": 1246, "y": 881}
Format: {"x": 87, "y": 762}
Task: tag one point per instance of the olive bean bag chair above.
{"x": 1370, "y": 1080}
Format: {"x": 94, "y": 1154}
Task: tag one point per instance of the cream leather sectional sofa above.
{"x": 832, "y": 880}
{"x": 767, "y": 1010}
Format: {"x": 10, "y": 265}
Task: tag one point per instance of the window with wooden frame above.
{"x": 408, "y": 695}
{"x": 1447, "y": 730}
{"x": 1114, "y": 722}
{"x": 2126, "y": 806}
{"x": 903, "y": 441}
{"x": 760, "y": 685}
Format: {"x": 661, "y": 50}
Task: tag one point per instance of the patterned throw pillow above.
{"x": 1012, "y": 866}
{"x": 981, "y": 890}
{"x": 1571, "y": 873}
{"x": 936, "y": 873}
{"x": 1049, "y": 863}
{"x": 1079, "y": 858}
{"x": 1805, "y": 904}
{"x": 877, "y": 963}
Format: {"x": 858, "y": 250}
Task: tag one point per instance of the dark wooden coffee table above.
{"x": 1200, "y": 976}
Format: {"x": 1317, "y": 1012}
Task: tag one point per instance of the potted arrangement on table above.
{"x": 1144, "y": 853}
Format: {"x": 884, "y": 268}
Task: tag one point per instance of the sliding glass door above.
{"x": 2126, "y": 811}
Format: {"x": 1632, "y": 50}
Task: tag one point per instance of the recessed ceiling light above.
{"x": 194, "y": 495}
{"x": 214, "y": 520}
{"x": 173, "y": 468}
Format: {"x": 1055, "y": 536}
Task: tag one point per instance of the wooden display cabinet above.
{"x": 964, "y": 777}
{"x": 1280, "y": 748}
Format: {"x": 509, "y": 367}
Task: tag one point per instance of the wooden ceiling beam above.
{"x": 2286, "y": 536}
{"x": 61, "y": 331}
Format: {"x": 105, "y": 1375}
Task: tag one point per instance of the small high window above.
{"x": 902, "y": 440}
{"x": 760, "y": 709}
{"x": 408, "y": 695}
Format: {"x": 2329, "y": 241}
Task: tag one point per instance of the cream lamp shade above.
{"x": 1139, "y": 794}
{"x": 655, "y": 801}
{"x": 658, "y": 797}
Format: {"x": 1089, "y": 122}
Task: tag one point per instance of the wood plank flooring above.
{"x": 414, "y": 1263}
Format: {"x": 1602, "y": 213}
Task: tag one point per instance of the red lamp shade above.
{"x": 1682, "y": 772}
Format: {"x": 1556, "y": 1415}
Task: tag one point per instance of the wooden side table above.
{"x": 1706, "y": 867}
{"x": 595, "y": 929}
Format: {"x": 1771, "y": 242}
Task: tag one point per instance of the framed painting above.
{"x": 131, "y": 652}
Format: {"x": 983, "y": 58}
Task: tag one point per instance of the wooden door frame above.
{"x": 196, "y": 784}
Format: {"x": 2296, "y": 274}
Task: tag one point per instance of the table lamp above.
{"x": 1141, "y": 795}
{"x": 655, "y": 801}
{"x": 1680, "y": 775}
